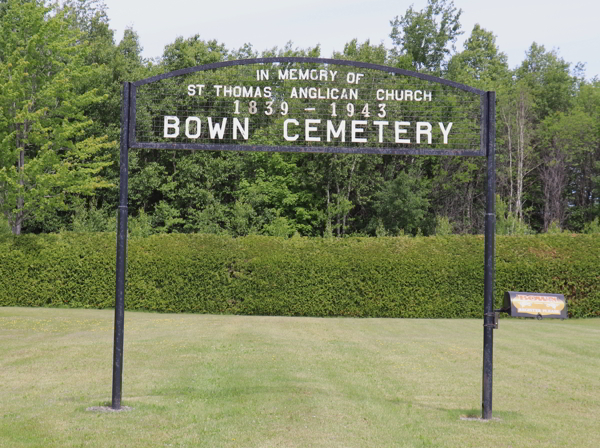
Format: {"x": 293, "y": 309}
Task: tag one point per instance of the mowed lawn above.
{"x": 244, "y": 381}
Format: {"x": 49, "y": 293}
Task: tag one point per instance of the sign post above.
{"x": 121, "y": 251}
{"x": 307, "y": 105}
{"x": 490, "y": 243}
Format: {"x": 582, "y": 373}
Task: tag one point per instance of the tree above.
{"x": 569, "y": 143}
{"x": 288, "y": 51}
{"x": 184, "y": 53}
{"x": 45, "y": 155}
{"x": 402, "y": 203}
{"x": 549, "y": 80}
{"x": 458, "y": 191}
{"x": 584, "y": 187}
{"x": 365, "y": 52}
{"x": 544, "y": 79}
{"x": 481, "y": 64}
{"x": 517, "y": 159}
{"x": 427, "y": 36}
{"x": 115, "y": 64}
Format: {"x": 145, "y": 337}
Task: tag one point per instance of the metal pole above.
{"x": 490, "y": 236}
{"x": 121, "y": 253}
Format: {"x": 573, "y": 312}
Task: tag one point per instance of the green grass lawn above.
{"x": 238, "y": 381}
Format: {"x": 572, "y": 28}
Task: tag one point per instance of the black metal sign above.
{"x": 307, "y": 105}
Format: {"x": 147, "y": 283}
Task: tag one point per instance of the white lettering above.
{"x": 402, "y": 95}
{"x": 364, "y": 131}
{"x": 445, "y": 131}
{"x": 341, "y": 130}
{"x": 238, "y": 91}
{"x": 264, "y": 75}
{"x": 216, "y": 129}
{"x": 318, "y": 93}
{"x": 353, "y": 78}
{"x": 192, "y": 89}
{"x": 237, "y": 125}
{"x": 309, "y": 74}
{"x": 399, "y": 131}
{"x": 381, "y": 124}
{"x": 308, "y": 129}
{"x": 285, "y": 129}
{"x": 171, "y": 123}
{"x": 189, "y": 120}
{"x": 423, "y": 128}
{"x": 357, "y": 130}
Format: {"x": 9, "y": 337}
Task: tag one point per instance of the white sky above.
{"x": 571, "y": 27}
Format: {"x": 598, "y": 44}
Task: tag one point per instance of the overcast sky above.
{"x": 571, "y": 27}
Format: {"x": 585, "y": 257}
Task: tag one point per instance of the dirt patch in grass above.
{"x": 479, "y": 419}
{"x": 108, "y": 409}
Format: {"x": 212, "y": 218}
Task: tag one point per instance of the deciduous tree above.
{"x": 45, "y": 154}
{"x": 427, "y": 36}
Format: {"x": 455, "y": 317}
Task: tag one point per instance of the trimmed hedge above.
{"x": 431, "y": 277}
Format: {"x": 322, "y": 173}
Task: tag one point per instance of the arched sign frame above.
{"x": 486, "y": 147}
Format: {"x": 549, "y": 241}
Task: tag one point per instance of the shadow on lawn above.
{"x": 460, "y": 414}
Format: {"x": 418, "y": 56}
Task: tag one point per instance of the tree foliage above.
{"x": 427, "y": 36}
{"x": 61, "y": 77}
{"x": 45, "y": 153}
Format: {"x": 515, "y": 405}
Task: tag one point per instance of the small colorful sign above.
{"x": 534, "y": 304}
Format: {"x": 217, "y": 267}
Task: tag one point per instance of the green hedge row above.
{"x": 429, "y": 277}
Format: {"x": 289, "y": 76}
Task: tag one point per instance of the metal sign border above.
{"x": 133, "y": 143}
